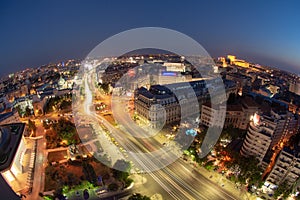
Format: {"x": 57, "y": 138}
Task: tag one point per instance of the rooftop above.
{"x": 5, "y": 116}
{"x": 10, "y": 137}
{"x": 248, "y": 101}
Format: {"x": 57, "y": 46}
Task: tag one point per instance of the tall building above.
{"x": 286, "y": 126}
{"x": 207, "y": 113}
{"x": 286, "y": 168}
{"x": 258, "y": 138}
{"x": 237, "y": 115}
{"x": 12, "y": 150}
{"x": 268, "y": 131}
{"x": 295, "y": 87}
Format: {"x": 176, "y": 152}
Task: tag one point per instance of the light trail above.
{"x": 173, "y": 183}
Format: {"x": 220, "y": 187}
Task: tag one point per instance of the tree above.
{"x": 66, "y": 130}
{"x": 113, "y": 187}
{"x": 65, "y": 104}
{"x": 46, "y": 125}
{"x": 122, "y": 165}
{"x": 28, "y": 111}
{"x": 89, "y": 173}
{"x": 31, "y": 126}
{"x": 138, "y": 196}
{"x": 104, "y": 87}
{"x": 249, "y": 167}
{"x": 283, "y": 189}
{"x": 20, "y": 112}
{"x": 128, "y": 181}
{"x": 120, "y": 175}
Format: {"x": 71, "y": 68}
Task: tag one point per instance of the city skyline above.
{"x": 103, "y": 118}
{"x": 149, "y": 100}
{"x": 40, "y": 33}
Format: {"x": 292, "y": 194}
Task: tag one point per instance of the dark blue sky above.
{"x": 38, "y": 32}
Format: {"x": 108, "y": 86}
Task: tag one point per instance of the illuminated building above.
{"x": 286, "y": 126}
{"x": 241, "y": 63}
{"x": 63, "y": 84}
{"x": 237, "y": 115}
{"x": 168, "y": 77}
{"x": 207, "y": 113}
{"x": 231, "y": 59}
{"x": 258, "y": 138}
{"x": 175, "y": 67}
{"x": 295, "y": 87}
{"x": 12, "y": 150}
{"x": 157, "y": 105}
{"x": 23, "y": 91}
{"x": 286, "y": 167}
{"x": 241, "y": 80}
{"x": 274, "y": 89}
{"x": 160, "y": 104}
{"x": 22, "y": 104}
{"x": 268, "y": 131}
{"x": 222, "y": 61}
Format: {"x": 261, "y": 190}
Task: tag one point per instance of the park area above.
{"x": 72, "y": 174}
{"x": 57, "y": 156}
{"x": 61, "y": 134}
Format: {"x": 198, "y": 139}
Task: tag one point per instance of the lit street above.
{"x": 177, "y": 181}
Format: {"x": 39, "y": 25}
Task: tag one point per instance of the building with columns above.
{"x": 166, "y": 104}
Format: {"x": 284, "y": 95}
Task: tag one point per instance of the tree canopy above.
{"x": 138, "y": 196}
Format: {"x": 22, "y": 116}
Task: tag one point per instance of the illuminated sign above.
{"x": 169, "y": 73}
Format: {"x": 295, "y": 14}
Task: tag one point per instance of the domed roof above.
{"x": 61, "y": 81}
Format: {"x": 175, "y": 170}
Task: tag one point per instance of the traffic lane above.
{"x": 187, "y": 171}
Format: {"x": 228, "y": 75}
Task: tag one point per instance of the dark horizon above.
{"x": 38, "y": 33}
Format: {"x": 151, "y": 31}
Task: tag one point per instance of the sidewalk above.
{"x": 223, "y": 182}
{"x": 139, "y": 179}
{"x": 215, "y": 177}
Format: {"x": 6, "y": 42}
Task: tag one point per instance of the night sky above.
{"x": 34, "y": 33}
